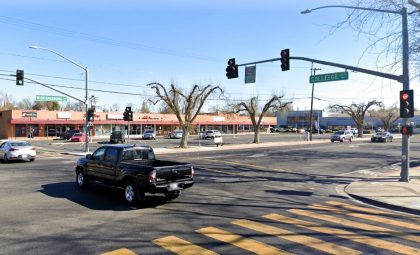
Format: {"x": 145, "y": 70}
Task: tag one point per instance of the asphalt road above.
{"x": 263, "y": 201}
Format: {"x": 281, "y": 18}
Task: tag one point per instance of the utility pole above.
{"x": 312, "y": 103}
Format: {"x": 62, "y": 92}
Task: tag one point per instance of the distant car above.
{"x": 176, "y": 134}
{"x": 355, "y": 131}
{"x": 315, "y": 131}
{"x": 17, "y": 150}
{"x": 149, "y": 135}
{"x": 211, "y": 134}
{"x": 69, "y": 133}
{"x": 117, "y": 136}
{"x": 78, "y": 137}
{"x": 382, "y": 137}
{"x": 341, "y": 136}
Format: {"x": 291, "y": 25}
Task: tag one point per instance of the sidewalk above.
{"x": 387, "y": 191}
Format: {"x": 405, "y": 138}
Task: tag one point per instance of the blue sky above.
{"x": 127, "y": 44}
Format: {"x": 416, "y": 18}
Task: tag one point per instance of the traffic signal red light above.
{"x": 407, "y": 130}
{"x": 232, "y": 69}
{"x": 285, "y": 60}
{"x": 406, "y": 104}
{"x": 19, "y": 77}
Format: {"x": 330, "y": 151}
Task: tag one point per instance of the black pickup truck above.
{"x": 135, "y": 169}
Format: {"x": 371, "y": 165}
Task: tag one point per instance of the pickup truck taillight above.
{"x": 152, "y": 176}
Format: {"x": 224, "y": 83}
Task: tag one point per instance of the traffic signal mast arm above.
{"x": 398, "y": 78}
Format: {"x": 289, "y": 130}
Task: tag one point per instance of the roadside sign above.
{"x": 51, "y": 98}
{"x": 329, "y": 77}
{"x": 250, "y": 73}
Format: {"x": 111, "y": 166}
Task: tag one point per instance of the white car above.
{"x": 149, "y": 135}
{"x": 211, "y": 134}
{"x": 17, "y": 150}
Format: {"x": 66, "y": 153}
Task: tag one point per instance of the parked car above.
{"x": 78, "y": 137}
{"x": 136, "y": 170}
{"x": 382, "y": 137}
{"x": 69, "y": 133}
{"x": 149, "y": 135}
{"x": 355, "y": 131}
{"x": 176, "y": 134}
{"x": 117, "y": 136}
{"x": 341, "y": 136}
{"x": 315, "y": 131}
{"x": 17, "y": 150}
{"x": 211, "y": 134}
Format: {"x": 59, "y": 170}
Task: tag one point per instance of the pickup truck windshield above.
{"x": 138, "y": 154}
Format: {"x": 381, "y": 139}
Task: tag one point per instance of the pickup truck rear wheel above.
{"x": 130, "y": 196}
{"x": 81, "y": 180}
{"x": 172, "y": 194}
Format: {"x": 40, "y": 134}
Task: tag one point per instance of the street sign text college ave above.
{"x": 329, "y": 77}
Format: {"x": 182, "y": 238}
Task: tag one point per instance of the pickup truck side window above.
{"x": 111, "y": 155}
{"x": 99, "y": 154}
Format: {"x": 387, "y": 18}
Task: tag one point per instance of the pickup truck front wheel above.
{"x": 172, "y": 194}
{"x": 81, "y": 180}
{"x": 130, "y": 196}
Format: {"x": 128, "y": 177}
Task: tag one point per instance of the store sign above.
{"x": 218, "y": 118}
{"x": 63, "y": 115}
{"x": 151, "y": 117}
{"x": 28, "y": 114}
{"x": 114, "y": 116}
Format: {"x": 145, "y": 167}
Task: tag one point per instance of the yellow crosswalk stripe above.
{"x": 359, "y": 208}
{"x": 354, "y": 224}
{"x": 377, "y": 243}
{"x": 122, "y": 251}
{"x": 368, "y": 217}
{"x": 312, "y": 242}
{"x": 241, "y": 242}
{"x": 181, "y": 247}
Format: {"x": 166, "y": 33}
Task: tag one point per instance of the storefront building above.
{"x": 32, "y": 123}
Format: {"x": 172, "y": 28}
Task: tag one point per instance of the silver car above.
{"x": 211, "y": 134}
{"x": 17, "y": 150}
{"x": 149, "y": 134}
{"x": 341, "y": 136}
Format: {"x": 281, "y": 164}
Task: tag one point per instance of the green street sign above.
{"x": 250, "y": 73}
{"x": 50, "y": 98}
{"x": 329, "y": 77}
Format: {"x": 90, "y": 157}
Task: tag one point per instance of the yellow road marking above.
{"x": 359, "y": 208}
{"x": 241, "y": 242}
{"x": 181, "y": 247}
{"x": 314, "y": 243}
{"x": 377, "y": 243}
{"x": 354, "y": 224}
{"x": 122, "y": 251}
{"x": 369, "y": 217}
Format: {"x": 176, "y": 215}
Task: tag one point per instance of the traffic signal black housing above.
{"x": 91, "y": 115}
{"x": 232, "y": 69}
{"x": 19, "y": 77}
{"x": 285, "y": 60}
{"x": 406, "y": 104}
{"x": 128, "y": 114}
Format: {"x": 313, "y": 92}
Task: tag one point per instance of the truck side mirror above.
{"x": 89, "y": 156}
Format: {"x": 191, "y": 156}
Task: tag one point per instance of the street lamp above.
{"x": 405, "y": 160}
{"x": 86, "y": 90}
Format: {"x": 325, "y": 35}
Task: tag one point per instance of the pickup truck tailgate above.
{"x": 173, "y": 173}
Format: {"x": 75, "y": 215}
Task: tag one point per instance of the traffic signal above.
{"x": 232, "y": 69}
{"x": 90, "y": 115}
{"x": 19, "y": 77}
{"x": 407, "y": 130}
{"x": 128, "y": 114}
{"x": 406, "y": 104}
{"x": 285, "y": 60}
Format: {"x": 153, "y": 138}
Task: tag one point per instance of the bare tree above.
{"x": 25, "y": 104}
{"x": 383, "y": 30}
{"x": 186, "y": 106}
{"x": 356, "y": 111}
{"x": 6, "y": 102}
{"x": 386, "y": 115}
{"x": 114, "y": 108}
{"x": 257, "y": 114}
{"x": 145, "y": 108}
